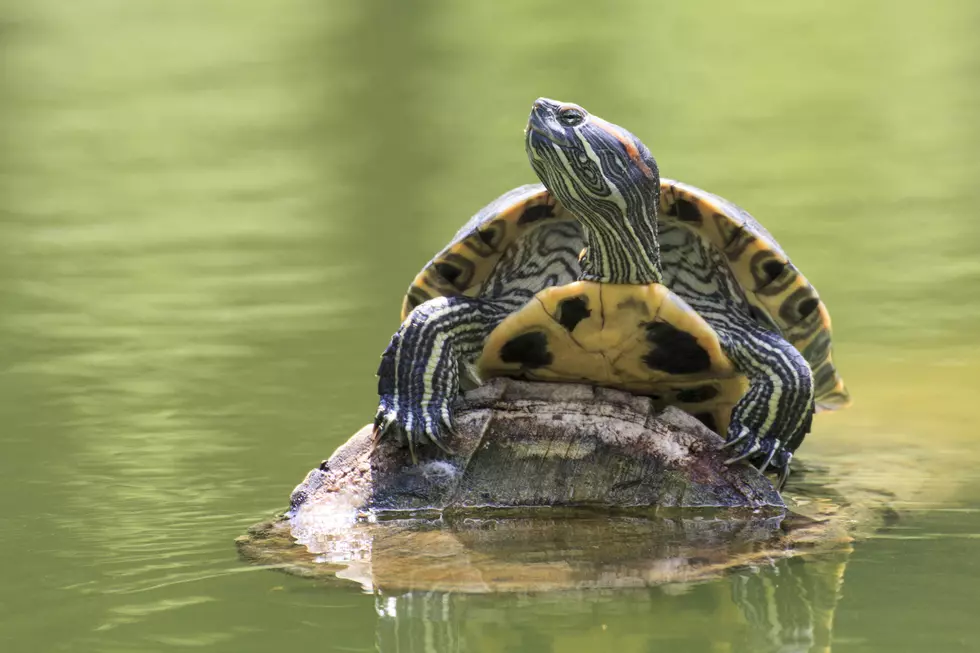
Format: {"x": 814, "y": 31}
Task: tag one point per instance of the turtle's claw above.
{"x": 384, "y": 419}
{"x": 432, "y": 431}
{"x": 740, "y": 435}
{"x": 759, "y": 452}
{"x": 750, "y": 451}
{"x": 416, "y": 426}
{"x": 739, "y": 438}
{"x": 783, "y": 470}
{"x": 449, "y": 423}
{"x": 773, "y": 446}
{"x": 763, "y": 453}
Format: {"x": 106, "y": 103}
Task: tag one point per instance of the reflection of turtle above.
{"x": 709, "y": 316}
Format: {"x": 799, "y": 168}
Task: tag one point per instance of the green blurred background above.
{"x": 209, "y": 211}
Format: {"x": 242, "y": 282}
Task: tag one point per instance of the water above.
{"x": 209, "y": 211}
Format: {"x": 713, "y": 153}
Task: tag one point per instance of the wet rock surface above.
{"x": 526, "y": 445}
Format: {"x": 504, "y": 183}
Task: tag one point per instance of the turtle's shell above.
{"x": 781, "y": 298}
{"x": 641, "y": 338}
{"x": 463, "y": 266}
{"x": 772, "y": 284}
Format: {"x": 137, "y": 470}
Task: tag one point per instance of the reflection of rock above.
{"x": 784, "y": 608}
{"x": 519, "y": 554}
{"x": 433, "y": 581}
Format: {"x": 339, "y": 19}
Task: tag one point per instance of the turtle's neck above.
{"x": 622, "y": 246}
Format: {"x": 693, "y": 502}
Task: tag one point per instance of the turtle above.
{"x": 607, "y": 274}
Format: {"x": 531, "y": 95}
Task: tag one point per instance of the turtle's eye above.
{"x": 570, "y": 117}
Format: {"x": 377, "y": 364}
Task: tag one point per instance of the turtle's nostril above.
{"x": 538, "y": 115}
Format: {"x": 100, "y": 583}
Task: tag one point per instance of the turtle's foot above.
{"x": 418, "y": 378}
{"x": 430, "y": 420}
{"x": 770, "y": 421}
{"x": 765, "y": 453}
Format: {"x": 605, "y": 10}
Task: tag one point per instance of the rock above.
{"x": 534, "y": 445}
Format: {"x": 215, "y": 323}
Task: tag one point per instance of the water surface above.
{"x": 209, "y": 212}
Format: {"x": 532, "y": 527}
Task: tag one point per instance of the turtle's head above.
{"x": 608, "y": 179}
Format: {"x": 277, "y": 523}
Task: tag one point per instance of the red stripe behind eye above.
{"x": 631, "y": 150}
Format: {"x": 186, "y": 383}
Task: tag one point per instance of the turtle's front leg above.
{"x": 419, "y": 374}
{"x": 774, "y": 416}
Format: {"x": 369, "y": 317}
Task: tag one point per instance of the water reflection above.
{"x": 758, "y": 584}
{"x": 527, "y": 554}
{"x": 786, "y": 608}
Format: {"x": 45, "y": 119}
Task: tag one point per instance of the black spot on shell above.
{"x": 819, "y": 349}
{"x": 791, "y": 311}
{"x": 824, "y": 376}
{"x": 417, "y": 296}
{"x": 773, "y": 269}
{"x": 573, "y": 310}
{"x": 674, "y": 351}
{"x": 492, "y": 234}
{"x": 687, "y": 211}
{"x": 736, "y": 237}
{"x": 697, "y": 394}
{"x": 807, "y": 306}
{"x": 708, "y": 419}
{"x": 535, "y": 213}
{"x": 448, "y": 271}
{"x": 528, "y": 350}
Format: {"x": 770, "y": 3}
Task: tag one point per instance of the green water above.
{"x": 209, "y": 211}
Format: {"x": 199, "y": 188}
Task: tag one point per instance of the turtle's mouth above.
{"x": 535, "y": 134}
{"x": 538, "y": 143}
{"x": 536, "y": 124}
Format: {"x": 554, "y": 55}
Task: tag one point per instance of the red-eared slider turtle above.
{"x": 570, "y": 281}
